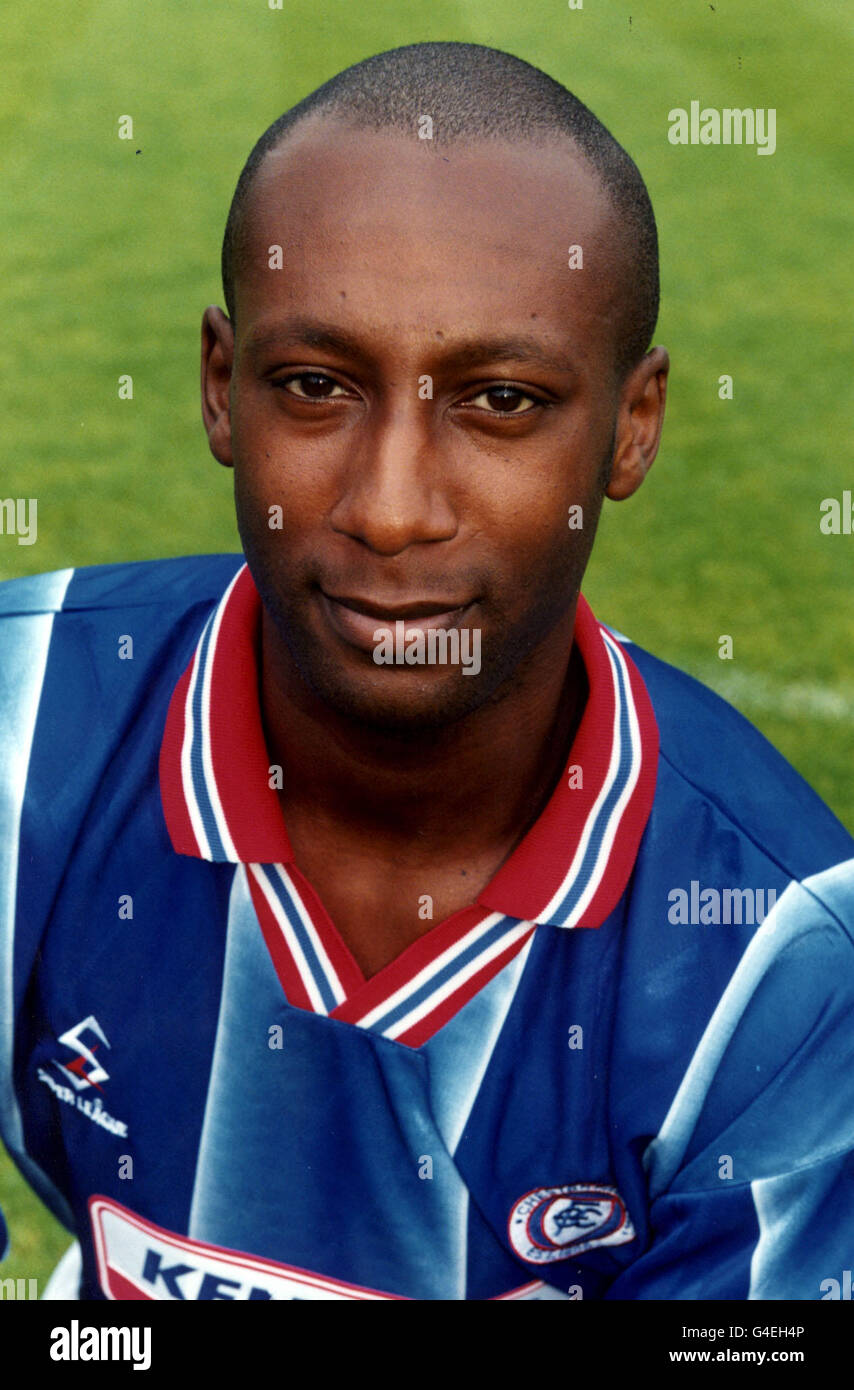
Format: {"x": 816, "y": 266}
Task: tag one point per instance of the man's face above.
{"x": 424, "y": 389}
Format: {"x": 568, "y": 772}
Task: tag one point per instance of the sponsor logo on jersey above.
{"x": 138, "y": 1260}
{"x": 555, "y": 1223}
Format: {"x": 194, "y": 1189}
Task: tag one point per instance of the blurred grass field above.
{"x": 111, "y": 250}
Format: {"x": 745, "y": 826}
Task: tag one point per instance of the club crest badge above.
{"x": 555, "y": 1223}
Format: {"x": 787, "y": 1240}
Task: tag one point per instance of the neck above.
{"x": 414, "y": 792}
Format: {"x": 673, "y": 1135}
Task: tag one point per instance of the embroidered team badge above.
{"x": 555, "y": 1223}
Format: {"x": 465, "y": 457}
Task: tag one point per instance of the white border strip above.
{"x": 429, "y": 970}
{"x": 291, "y": 940}
{"x": 594, "y": 879}
{"x": 205, "y": 731}
{"x": 438, "y": 997}
{"x": 328, "y": 968}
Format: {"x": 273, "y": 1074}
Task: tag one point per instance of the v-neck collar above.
{"x": 569, "y": 870}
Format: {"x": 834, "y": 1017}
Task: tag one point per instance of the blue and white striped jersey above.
{"x": 623, "y": 1072}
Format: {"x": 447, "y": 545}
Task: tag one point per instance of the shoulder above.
{"x": 171, "y": 583}
{"x": 88, "y": 662}
{"x": 82, "y": 653}
{"x": 63, "y": 626}
{"x": 773, "y": 1067}
{"x": 715, "y": 766}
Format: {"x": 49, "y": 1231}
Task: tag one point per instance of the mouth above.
{"x": 357, "y": 619}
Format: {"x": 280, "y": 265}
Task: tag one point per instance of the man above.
{"x": 376, "y": 923}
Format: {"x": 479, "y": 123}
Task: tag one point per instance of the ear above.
{"x": 217, "y": 361}
{"x": 640, "y": 416}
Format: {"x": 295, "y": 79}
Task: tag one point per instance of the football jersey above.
{"x": 624, "y": 1071}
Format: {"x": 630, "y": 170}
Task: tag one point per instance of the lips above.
{"x": 357, "y": 619}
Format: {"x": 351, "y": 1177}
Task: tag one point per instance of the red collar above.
{"x": 569, "y": 870}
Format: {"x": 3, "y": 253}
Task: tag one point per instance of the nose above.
{"x": 395, "y": 483}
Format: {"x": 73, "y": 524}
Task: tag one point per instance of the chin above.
{"x": 394, "y": 702}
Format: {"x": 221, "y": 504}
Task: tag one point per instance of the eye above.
{"x": 504, "y": 400}
{"x": 311, "y": 386}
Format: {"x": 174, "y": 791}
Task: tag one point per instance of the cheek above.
{"x": 548, "y": 549}
{"x": 554, "y": 560}
{"x": 549, "y": 517}
{"x": 276, "y": 491}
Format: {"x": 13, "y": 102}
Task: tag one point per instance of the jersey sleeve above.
{"x": 28, "y": 608}
{"x": 751, "y": 1178}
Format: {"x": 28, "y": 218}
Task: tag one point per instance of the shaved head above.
{"x": 474, "y": 94}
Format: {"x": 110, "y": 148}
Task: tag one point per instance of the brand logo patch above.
{"x": 85, "y": 1073}
{"x": 75, "y": 1070}
{"x": 555, "y": 1223}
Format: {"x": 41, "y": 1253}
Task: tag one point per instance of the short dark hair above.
{"x": 472, "y": 92}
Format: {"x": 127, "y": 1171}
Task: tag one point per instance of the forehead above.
{"x": 405, "y": 231}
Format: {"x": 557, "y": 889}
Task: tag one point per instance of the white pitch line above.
{"x": 779, "y": 697}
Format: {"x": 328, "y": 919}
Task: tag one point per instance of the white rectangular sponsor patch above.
{"x": 138, "y": 1260}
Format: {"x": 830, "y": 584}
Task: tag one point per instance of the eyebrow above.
{"x": 304, "y": 333}
{"x": 324, "y": 336}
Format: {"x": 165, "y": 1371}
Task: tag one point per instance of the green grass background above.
{"x": 110, "y": 252}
